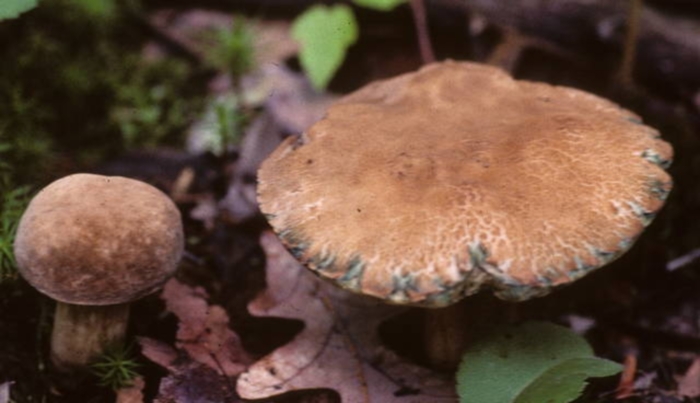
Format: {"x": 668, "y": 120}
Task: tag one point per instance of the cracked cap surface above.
{"x": 426, "y": 187}
{"x": 98, "y": 240}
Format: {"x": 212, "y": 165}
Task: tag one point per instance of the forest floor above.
{"x": 149, "y": 93}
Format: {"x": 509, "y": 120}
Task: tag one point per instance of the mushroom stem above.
{"x": 81, "y": 333}
{"x": 449, "y": 330}
{"x": 445, "y": 335}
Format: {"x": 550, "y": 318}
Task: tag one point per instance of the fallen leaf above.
{"x": 689, "y": 384}
{"x": 291, "y": 106}
{"x": 294, "y": 104}
{"x": 133, "y": 393}
{"x": 339, "y": 347}
{"x": 5, "y": 392}
{"x": 208, "y": 354}
{"x": 203, "y": 330}
{"x": 189, "y": 381}
{"x": 160, "y": 353}
{"x": 197, "y": 384}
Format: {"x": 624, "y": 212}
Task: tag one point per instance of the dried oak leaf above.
{"x": 203, "y": 330}
{"x": 689, "y": 383}
{"x": 339, "y": 347}
{"x": 189, "y": 381}
{"x": 208, "y": 355}
{"x": 132, "y": 393}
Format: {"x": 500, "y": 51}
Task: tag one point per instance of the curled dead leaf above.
{"x": 203, "y": 330}
{"x": 208, "y": 354}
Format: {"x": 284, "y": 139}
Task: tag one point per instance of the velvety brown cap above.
{"x": 426, "y": 187}
{"x": 98, "y": 240}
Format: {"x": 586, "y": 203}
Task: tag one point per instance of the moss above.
{"x": 77, "y": 80}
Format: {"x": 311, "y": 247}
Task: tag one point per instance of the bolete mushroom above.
{"x": 95, "y": 243}
{"x": 427, "y": 187}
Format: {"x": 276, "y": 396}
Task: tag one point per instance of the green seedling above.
{"x": 116, "y": 368}
{"x": 234, "y": 50}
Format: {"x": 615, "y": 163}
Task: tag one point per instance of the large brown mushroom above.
{"x": 95, "y": 243}
{"x": 425, "y": 188}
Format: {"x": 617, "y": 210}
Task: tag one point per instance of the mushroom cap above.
{"x": 98, "y": 240}
{"x": 423, "y": 188}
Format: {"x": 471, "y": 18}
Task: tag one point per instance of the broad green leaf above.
{"x": 381, "y": 5}
{"x": 13, "y": 8}
{"x": 532, "y": 363}
{"x": 324, "y": 33}
{"x": 565, "y": 382}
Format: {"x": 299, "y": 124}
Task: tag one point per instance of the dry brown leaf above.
{"x": 689, "y": 384}
{"x": 196, "y": 384}
{"x": 291, "y": 106}
{"x": 189, "y": 381}
{"x": 339, "y": 347}
{"x": 208, "y": 353}
{"x": 133, "y": 393}
{"x": 203, "y": 330}
{"x": 160, "y": 353}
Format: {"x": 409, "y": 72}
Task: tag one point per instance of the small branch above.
{"x": 684, "y": 260}
{"x": 629, "y": 48}
{"x": 625, "y": 387}
{"x": 421, "y": 21}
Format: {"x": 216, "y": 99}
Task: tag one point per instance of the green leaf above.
{"x": 381, "y": 5}
{"x": 96, "y": 8}
{"x": 13, "y": 8}
{"x": 532, "y": 363}
{"x": 565, "y": 382}
{"x": 325, "y": 33}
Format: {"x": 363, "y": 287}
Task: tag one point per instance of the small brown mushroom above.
{"x": 425, "y": 188}
{"x": 95, "y": 243}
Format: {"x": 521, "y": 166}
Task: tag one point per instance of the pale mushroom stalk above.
{"x": 425, "y": 188}
{"x": 94, "y": 244}
{"x": 81, "y": 333}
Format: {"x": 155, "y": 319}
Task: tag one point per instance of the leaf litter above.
{"x": 207, "y": 356}
{"x": 339, "y": 348}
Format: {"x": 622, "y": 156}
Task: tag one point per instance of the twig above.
{"x": 684, "y": 260}
{"x": 421, "y": 21}
{"x": 625, "y": 388}
{"x": 629, "y": 49}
